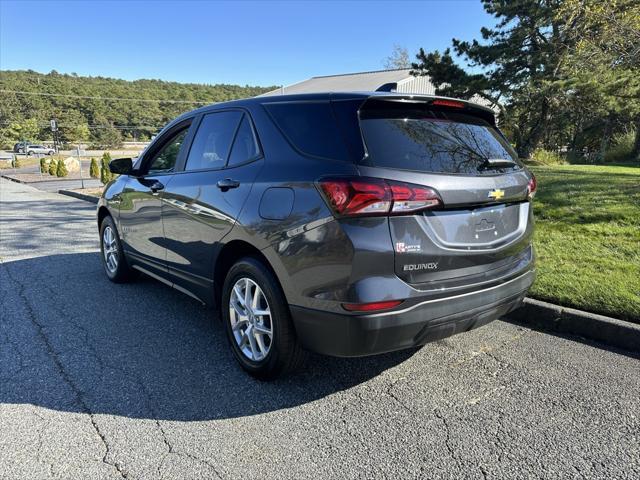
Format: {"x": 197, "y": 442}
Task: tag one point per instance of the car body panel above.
{"x": 140, "y": 221}
{"x": 321, "y": 260}
{"x": 196, "y": 216}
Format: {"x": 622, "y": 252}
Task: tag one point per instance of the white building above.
{"x": 392, "y": 80}
{"x": 399, "y": 80}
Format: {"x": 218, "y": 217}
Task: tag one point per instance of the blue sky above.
{"x": 256, "y": 43}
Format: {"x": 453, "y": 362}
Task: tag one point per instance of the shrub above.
{"x": 105, "y": 173}
{"x": 53, "y": 166}
{"x": 61, "y": 170}
{"x": 546, "y": 157}
{"x": 94, "y": 171}
{"x": 16, "y": 163}
{"x": 622, "y": 146}
{"x": 43, "y": 165}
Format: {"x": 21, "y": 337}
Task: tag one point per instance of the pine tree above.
{"x": 519, "y": 58}
{"x": 61, "y": 170}
{"x": 105, "y": 174}
{"x": 94, "y": 172}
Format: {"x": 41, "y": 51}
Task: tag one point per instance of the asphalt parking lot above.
{"x": 135, "y": 381}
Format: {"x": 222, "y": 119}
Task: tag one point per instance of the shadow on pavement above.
{"x": 73, "y": 341}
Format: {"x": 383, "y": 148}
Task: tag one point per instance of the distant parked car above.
{"x": 20, "y": 147}
{"x": 346, "y": 224}
{"x": 33, "y": 149}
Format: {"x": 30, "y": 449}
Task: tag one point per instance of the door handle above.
{"x": 227, "y": 183}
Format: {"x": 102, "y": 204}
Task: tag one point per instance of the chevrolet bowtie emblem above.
{"x": 496, "y": 194}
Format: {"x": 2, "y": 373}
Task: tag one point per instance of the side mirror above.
{"x": 121, "y": 166}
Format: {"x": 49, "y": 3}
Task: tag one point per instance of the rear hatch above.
{"x": 481, "y": 230}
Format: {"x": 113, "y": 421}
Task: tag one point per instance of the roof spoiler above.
{"x": 432, "y": 101}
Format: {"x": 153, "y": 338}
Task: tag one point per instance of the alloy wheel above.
{"x": 110, "y": 250}
{"x": 250, "y": 318}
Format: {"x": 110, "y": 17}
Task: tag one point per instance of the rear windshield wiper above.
{"x": 497, "y": 163}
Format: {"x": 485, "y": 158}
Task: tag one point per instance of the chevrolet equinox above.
{"x": 347, "y": 224}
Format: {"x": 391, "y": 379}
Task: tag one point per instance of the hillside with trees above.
{"x": 97, "y": 110}
{"x": 564, "y": 73}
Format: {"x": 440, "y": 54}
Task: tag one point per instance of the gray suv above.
{"x": 346, "y": 224}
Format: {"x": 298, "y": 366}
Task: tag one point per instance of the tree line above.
{"x": 98, "y": 110}
{"x": 564, "y": 74}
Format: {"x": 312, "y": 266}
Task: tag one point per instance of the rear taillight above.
{"x": 532, "y": 186}
{"x": 374, "y": 196}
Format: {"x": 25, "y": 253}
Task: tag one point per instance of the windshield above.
{"x": 434, "y": 141}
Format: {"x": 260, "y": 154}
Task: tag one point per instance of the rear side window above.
{"x": 212, "y": 143}
{"x": 310, "y": 127}
{"x": 245, "y": 146}
{"x": 432, "y": 141}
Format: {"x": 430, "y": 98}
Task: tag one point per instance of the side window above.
{"x": 245, "y": 146}
{"x": 310, "y": 127}
{"x": 211, "y": 145}
{"x": 165, "y": 159}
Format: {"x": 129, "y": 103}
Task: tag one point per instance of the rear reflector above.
{"x": 374, "y": 196}
{"x": 532, "y": 186}
{"x": 371, "y": 307}
{"x": 448, "y": 103}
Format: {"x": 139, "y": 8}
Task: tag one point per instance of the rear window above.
{"x": 432, "y": 141}
{"x": 310, "y": 127}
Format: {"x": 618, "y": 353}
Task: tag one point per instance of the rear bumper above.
{"x": 349, "y": 335}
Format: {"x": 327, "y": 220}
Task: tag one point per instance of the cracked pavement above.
{"x": 136, "y": 381}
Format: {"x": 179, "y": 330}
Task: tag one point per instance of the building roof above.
{"x": 349, "y": 82}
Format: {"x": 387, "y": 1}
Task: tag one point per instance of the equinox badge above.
{"x": 496, "y": 194}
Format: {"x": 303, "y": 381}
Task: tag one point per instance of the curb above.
{"x": 81, "y": 196}
{"x": 48, "y": 180}
{"x": 7, "y": 177}
{"x": 557, "y": 319}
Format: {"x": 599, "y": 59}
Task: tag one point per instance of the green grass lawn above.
{"x": 588, "y": 238}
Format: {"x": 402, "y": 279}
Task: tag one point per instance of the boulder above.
{"x": 73, "y": 165}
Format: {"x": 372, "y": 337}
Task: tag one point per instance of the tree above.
{"x": 53, "y": 166}
{"x": 105, "y": 174}
{"x": 94, "y": 171}
{"x": 78, "y": 133}
{"x": 61, "y": 170}
{"x": 518, "y": 59}
{"x": 604, "y": 65}
{"x": 399, "y": 58}
{"x": 93, "y": 101}
{"x": 27, "y": 129}
{"x": 555, "y": 68}
{"x": 106, "y": 136}
{"x": 43, "y": 165}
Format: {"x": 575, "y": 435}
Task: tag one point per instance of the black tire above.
{"x": 29, "y": 153}
{"x": 122, "y": 273}
{"x": 285, "y": 353}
